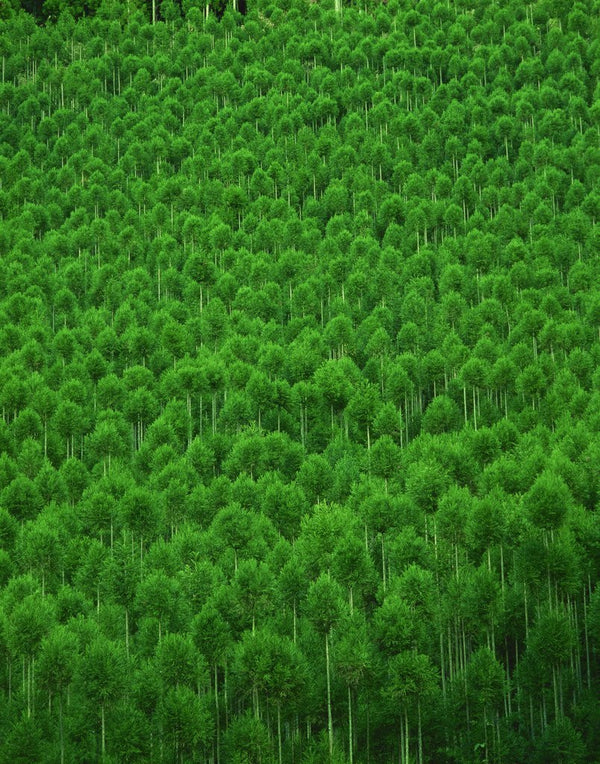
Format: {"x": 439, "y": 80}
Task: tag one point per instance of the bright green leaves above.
{"x": 548, "y": 501}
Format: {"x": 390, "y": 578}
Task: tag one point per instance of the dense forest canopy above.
{"x": 48, "y": 11}
{"x": 299, "y": 351}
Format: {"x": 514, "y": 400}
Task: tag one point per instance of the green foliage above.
{"x": 298, "y": 381}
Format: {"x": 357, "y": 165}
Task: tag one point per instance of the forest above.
{"x": 299, "y": 382}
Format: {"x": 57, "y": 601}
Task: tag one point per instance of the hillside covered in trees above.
{"x": 299, "y": 349}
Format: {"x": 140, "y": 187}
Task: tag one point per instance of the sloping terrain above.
{"x": 299, "y": 346}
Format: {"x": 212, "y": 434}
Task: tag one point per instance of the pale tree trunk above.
{"x": 103, "y": 730}
{"x": 329, "y": 714}
{"x": 127, "y": 632}
{"x": 419, "y": 732}
{"x": 350, "y": 730}
{"x": 279, "y": 732}
{"x": 61, "y": 735}
{"x": 218, "y": 717}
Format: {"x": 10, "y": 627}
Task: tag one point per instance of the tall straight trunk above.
{"x": 28, "y": 687}
{"x": 225, "y": 695}
{"x": 555, "y": 694}
{"x": 485, "y": 733}
{"x": 329, "y": 714}
{"x": 350, "y": 730}
{"x": 103, "y": 730}
{"x": 127, "y": 632}
{"x": 450, "y": 662}
{"x": 279, "y": 732}
{"x": 419, "y": 731}
{"x": 401, "y": 744}
{"x": 295, "y": 625}
{"x": 587, "y": 642}
{"x": 190, "y": 423}
{"x": 217, "y": 715}
{"x": 442, "y": 664}
{"x": 61, "y": 735}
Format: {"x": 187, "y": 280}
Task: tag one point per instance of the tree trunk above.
{"x": 103, "y": 730}
{"x": 28, "y": 687}
{"x": 350, "y": 730}
{"x": 61, "y": 736}
{"x": 295, "y": 625}
{"x": 329, "y": 714}
{"x": 217, "y": 715}
{"x": 279, "y": 732}
{"x": 586, "y": 641}
{"x": 419, "y": 731}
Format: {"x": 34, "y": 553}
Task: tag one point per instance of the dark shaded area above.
{"x": 36, "y": 9}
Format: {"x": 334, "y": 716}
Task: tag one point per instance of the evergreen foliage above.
{"x": 299, "y": 388}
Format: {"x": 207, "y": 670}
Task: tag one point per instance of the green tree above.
{"x": 324, "y": 608}
{"x": 186, "y": 721}
{"x": 56, "y": 666}
{"x": 100, "y": 677}
{"x": 411, "y": 679}
{"x": 548, "y": 501}
{"x": 26, "y": 624}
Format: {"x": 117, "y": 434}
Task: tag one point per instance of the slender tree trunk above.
{"x": 190, "y": 423}
{"x": 28, "y": 687}
{"x": 555, "y": 694}
{"x": 329, "y": 714}
{"x": 103, "y": 730}
{"x": 217, "y": 715}
{"x": 279, "y": 732}
{"x": 127, "y": 632}
{"x": 442, "y": 664}
{"x": 419, "y": 731}
{"x": 587, "y": 642}
{"x": 294, "y": 622}
{"x": 350, "y": 729}
{"x": 61, "y": 736}
{"x": 225, "y": 695}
